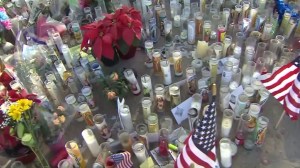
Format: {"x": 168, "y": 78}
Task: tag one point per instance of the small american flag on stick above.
{"x": 284, "y": 85}
{"x": 122, "y": 160}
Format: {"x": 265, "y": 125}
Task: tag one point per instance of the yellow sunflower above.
{"x": 15, "y": 114}
{"x": 25, "y": 104}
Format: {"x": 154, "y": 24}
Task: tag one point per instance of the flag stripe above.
{"x": 194, "y": 154}
{"x": 281, "y": 92}
{"x": 281, "y": 71}
{"x": 282, "y": 81}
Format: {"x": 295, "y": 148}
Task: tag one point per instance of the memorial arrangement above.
{"x": 142, "y": 83}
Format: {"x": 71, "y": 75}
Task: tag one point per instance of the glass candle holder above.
{"x": 207, "y": 28}
{"x": 270, "y": 58}
{"x": 285, "y": 20}
{"x": 87, "y": 93}
{"x": 102, "y": 126}
{"x": 72, "y": 85}
{"x": 125, "y": 117}
{"x": 261, "y": 47}
{"x": 274, "y": 45}
{"x": 246, "y": 9}
{"x": 191, "y": 31}
{"x": 289, "y": 28}
{"x": 213, "y": 66}
{"x": 225, "y": 152}
{"x": 267, "y": 32}
{"x": 142, "y": 132}
{"x": 261, "y": 129}
{"x": 163, "y": 142}
{"x": 147, "y": 107}
{"x": 242, "y": 132}
{"x": 254, "y": 110}
{"x": 140, "y": 152}
{"x": 57, "y": 40}
{"x": 177, "y": 57}
{"x": 221, "y": 32}
{"x": 192, "y": 117}
{"x": 199, "y": 23}
{"x": 75, "y": 154}
{"x": 247, "y": 71}
{"x": 191, "y": 80}
{"x": 168, "y": 33}
{"x": 72, "y": 102}
{"x": 159, "y": 97}
{"x": 91, "y": 141}
{"x": 86, "y": 114}
{"x": 174, "y": 91}
{"x": 237, "y": 13}
{"x": 149, "y": 48}
{"x": 183, "y": 26}
{"x": 225, "y": 16}
{"x": 224, "y": 95}
{"x": 134, "y": 85}
{"x": 226, "y": 43}
{"x": 167, "y": 123}
{"x": 104, "y": 152}
{"x": 54, "y": 92}
{"x": 240, "y": 106}
{"x": 194, "y": 7}
{"x": 67, "y": 55}
{"x": 65, "y": 163}
{"x": 180, "y": 142}
{"x": 218, "y": 47}
{"x": 60, "y": 68}
{"x": 81, "y": 75}
{"x": 156, "y": 61}
{"x": 177, "y": 21}
{"x": 165, "y": 66}
{"x": 153, "y": 126}
{"x": 125, "y": 140}
{"x": 226, "y": 122}
{"x": 147, "y": 86}
{"x": 227, "y": 73}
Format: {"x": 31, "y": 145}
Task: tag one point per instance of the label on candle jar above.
{"x": 206, "y": 34}
{"x": 153, "y": 30}
{"x": 156, "y": 63}
{"x": 88, "y": 117}
{"x": 192, "y": 85}
{"x": 175, "y": 100}
{"x": 178, "y": 66}
{"x": 160, "y": 102}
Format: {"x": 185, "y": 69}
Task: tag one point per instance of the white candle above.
{"x": 226, "y": 127}
{"x": 60, "y": 68}
{"x": 191, "y": 31}
{"x": 91, "y": 141}
{"x": 165, "y": 66}
{"x": 135, "y": 87}
{"x": 202, "y": 47}
{"x": 126, "y": 118}
{"x": 146, "y": 104}
{"x": 225, "y": 152}
{"x": 147, "y": 86}
{"x": 67, "y": 55}
{"x": 226, "y": 43}
{"x": 139, "y": 151}
{"x": 177, "y": 21}
{"x": 57, "y": 40}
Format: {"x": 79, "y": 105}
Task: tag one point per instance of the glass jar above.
{"x": 174, "y": 91}
{"x": 168, "y": 33}
{"x": 261, "y": 129}
{"x": 224, "y": 97}
{"x": 159, "y": 97}
{"x": 102, "y": 126}
{"x": 241, "y": 133}
{"x": 192, "y": 117}
{"x": 140, "y": 151}
{"x": 60, "y": 68}
{"x": 149, "y": 48}
{"x": 240, "y": 106}
{"x": 54, "y": 92}
{"x": 191, "y": 32}
{"x": 156, "y": 61}
{"x": 134, "y": 85}
{"x": 261, "y": 47}
{"x": 226, "y": 43}
{"x": 167, "y": 123}
{"x": 177, "y": 58}
{"x": 125, "y": 140}
{"x": 75, "y": 154}
{"x": 191, "y": 80}
{"x": 147, "y": 107}
{"x": 147, "y": 86}
{"x": 163, "y": 143}
{"x": 81, "y": 75}
{"x": 142, "y": 132}
{"x": 87, "y": 93}
{"x": 254, "y": 110}
{"x": 218, "y": 47}
{"x": 86, "y": 114}
{"x": 248, "y": 70}
{"x": 153, "y": 126}
{"x": 227, "y": 73}
{"x": 104, "y": 152}
{"x": 226, "y": 122}
{"x": 199, "y": 23}
{"x": 207, "y": 28}
{"x": 213, "y": 66}
{"x": 165, "y": 67}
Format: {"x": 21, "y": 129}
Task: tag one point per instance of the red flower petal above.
{"x": 97, "y": 47}
{"x": 128, "y": 36}
{"x": 108, "y": 51}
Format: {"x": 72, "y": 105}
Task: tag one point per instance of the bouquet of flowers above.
{"x": 114, "y": 85}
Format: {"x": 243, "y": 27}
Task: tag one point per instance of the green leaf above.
{"x": 136, "y": 42}
{"x": 20, "y": 130}
{"x": 123, "y": 47}
{"x": 12, "y": 132}
{"x": 28, "y": 140}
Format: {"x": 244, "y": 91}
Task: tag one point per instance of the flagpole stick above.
{"x": 280, "y": 119}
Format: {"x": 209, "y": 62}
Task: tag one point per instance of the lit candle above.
{"x": 134, "y": 85}
{"x": 225, "y": 152}
{"x": 177, "y": 57}
{"x": 139, "y": 151}
{"x": 147, "y": 86}
{"x": 67, "y": 55}
{"x": 202, "y": 47}
{"x": 91, "y": 141}
{"x": 165, "y": 66}
{"x": 125, "y": 117}
{"x": 226, "y": 122}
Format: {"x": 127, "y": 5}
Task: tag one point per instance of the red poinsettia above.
{"x": 103, "y": 35}
{"x": 14, "y": 95}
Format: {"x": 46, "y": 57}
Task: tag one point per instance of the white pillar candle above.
{"x": 225, "y": 152}
{"x": 140, "y": 151}
{"x": 67, "y": 55}
{"x": 91, "y": 141}
{"x": 165, "y": 67}
{"x": 191, "y": 31}
{"x": 202, "y": 47}
{"x": 147, "y": 86}
{"x": 146, "y": 105}
{"x": 134, "y": 85}
{"x": 226, "y": 43}
{"x": 126, "y": 118}
{"x": 177, "y": 57}
{"x": 226, "y": 127}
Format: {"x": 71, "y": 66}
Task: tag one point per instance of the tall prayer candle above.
{"x": 134, "y": 85}
{"x": 91, "y": 141}
{"x": 126, "y": 118}
{"x": 165, "y": 66}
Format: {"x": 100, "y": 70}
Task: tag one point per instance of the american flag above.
{"x": 122, "y": 160}
{"x": 284, "y": 85}
{"x": 200, "y": 149}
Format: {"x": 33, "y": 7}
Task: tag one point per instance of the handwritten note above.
{"x": 180, "y": 112}
{"x": 234, "y": 96}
